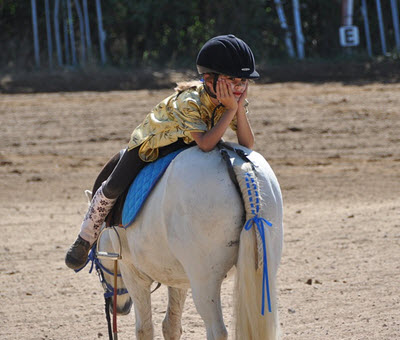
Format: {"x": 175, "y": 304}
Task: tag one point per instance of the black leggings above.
{"x": 129, "y": 166}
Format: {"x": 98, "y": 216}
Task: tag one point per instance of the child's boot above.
{"x": 99, "y": 208}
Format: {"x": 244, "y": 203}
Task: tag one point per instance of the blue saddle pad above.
{"x": 142, "y": 185}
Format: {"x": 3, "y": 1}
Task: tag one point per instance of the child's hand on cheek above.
{"x": 225, "y": 95}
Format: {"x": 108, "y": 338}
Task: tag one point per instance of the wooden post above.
{"x": 288, "y": 35}
{"x": 347, "y": 19}
{"x": 35, "y": 33}
{"x": 347, "y": 12}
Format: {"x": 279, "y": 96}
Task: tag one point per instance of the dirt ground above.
{"x": 335, "y": 149}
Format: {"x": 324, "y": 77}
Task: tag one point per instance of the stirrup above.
{"x": 108, "y": 255}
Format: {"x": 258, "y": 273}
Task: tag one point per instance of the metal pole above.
{"x": 48, "y": 30}
{"x": 381, "y": 28}
{"x": 87, "y": 28}
{"x": 82, "y": 32}
{"x": 395, "y": 16}
{"x": 364, "y": 12}
{"x": 57, "y": 31}
{"x": 299, "y": 32}
{"x": 35, "y": 33}
{"x": 288, "y": 35}
{"x": 102, "y": 34}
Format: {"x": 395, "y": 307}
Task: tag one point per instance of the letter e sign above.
{"x": 349, "y": 36}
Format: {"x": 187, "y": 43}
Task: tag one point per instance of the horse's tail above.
{"x": 255, "y": 291}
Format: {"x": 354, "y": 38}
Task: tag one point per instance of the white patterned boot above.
{"x": 98, "y": 210}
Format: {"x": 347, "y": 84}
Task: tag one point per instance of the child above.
{"x": 198, "y": 113}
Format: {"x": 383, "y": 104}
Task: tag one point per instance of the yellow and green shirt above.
{"x": 176, "y": 117}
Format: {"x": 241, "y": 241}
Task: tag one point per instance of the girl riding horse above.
{"x": 196, "y": 113}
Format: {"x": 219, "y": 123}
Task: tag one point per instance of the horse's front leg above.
{"x": 172, "y": 328}
{"x": 139, "y": 289}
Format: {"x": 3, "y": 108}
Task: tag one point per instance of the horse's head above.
{"x": 124, "y": 302}
{"x": 106, "y": 272}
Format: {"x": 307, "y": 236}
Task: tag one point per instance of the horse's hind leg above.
{"x": 207, "y": 298}
{"x": 171, "y": 326}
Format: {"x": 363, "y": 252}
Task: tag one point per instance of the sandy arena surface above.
{"x": 335, "y": 149}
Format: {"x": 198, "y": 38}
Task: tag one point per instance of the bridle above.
{"x": 109, "y": 290}
{"x": 100, "y": 269}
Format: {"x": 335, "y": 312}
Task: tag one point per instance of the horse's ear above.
{"x": 88, "y": 194}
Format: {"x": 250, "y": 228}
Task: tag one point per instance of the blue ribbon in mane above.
{"x": 259, "y": 222}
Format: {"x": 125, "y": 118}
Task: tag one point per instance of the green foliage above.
{"x": 15, "y": 32}
{"x": 169, "y": 33}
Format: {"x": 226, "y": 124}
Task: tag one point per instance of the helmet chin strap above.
{"x": 213, "y": 95}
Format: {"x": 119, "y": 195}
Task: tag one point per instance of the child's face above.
{"x": 238, "y": 85}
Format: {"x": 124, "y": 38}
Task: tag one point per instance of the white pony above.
{"x": 189, "y": 234}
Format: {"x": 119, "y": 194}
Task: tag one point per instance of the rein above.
{"x": 100, "y": 269}
{"x": 115, "y": 257}
{"x": 109, "y": 290}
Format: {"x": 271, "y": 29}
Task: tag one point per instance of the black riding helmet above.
{"x": 228, "y": 55}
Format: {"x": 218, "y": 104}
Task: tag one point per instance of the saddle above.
{"x": 130, "y": 202}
